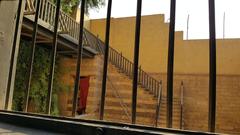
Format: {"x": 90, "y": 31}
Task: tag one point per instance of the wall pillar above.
{"x": 8, "y": 13}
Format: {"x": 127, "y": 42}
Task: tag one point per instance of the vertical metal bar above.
{"x": 14, "y": 46}
{"x": 139, "y": 76}
{"x": 110, "y": 55}
{"x": 104, "y": 80}
{"x": 144, "y": 78}
{"x": 123, "y": 61}
{"x": 114, "y": 57}
{"x": 34, "y": 38}
{"x": 53, "y": 58}
{"x": 136, "y": 60}
{"x": 130, "y": 65}
{"x": 181, "y": 108}
{"x": 155, "y": 88}
{"x": 120, "y": 61}
{"x": 159, "y": 97}
{"x": 151, "y": 86}
{"x": 212, "y": 75}
{"x": 124, "y": 69}
{"x": 147, "y": 81}
{"x": 129, "y": 69}
{"x": 79, "y": 59}
{"x": 170, "y": 64}
{"x": 158, "y": 85}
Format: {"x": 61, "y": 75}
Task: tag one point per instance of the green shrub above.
{"x": 39, "y": 82}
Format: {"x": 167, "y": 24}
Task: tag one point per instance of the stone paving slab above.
{"x": 7, "y": 129}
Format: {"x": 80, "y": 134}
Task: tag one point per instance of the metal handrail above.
{"x": 123, "y": 105}
{"x": 181, "y": 106}
{"x": 117, "y": 95}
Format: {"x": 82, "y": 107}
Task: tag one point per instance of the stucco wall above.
{"x": 195, "y": 101}
{"x": 86, "y": 19}
{"x": 191, "y": 66}
{"x": 191, "y": 56}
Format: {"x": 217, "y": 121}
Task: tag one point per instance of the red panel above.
{"x": 83, "y": 93}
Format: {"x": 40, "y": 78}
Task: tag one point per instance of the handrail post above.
{"x": 158, "y": 103}
{"x": 120, "y": 66}
{"x": 181, "y": 109}
{"x": 139, "y": 72}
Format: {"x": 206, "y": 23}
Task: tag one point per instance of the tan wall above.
{"x": 191, "y": 56}
{"x": 89, "y": 67}
{"x": 191, "y": 67}
{"x": 196, "y": 101}
{"x": 86, "y": 19}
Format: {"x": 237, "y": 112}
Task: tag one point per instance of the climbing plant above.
{"x": 39, "y": 82}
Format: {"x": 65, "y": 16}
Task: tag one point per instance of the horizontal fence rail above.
{"x": 79, "y": 126}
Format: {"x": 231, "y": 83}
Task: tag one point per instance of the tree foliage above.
{"x": 70, "y": 6}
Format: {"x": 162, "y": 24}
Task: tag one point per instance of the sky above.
{"x": 196, "y": 9}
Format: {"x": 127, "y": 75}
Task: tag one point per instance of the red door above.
{"x": 83, "y": 93}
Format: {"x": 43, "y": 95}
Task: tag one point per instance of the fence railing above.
{"x": 67, "y": 25}
{"x": 124, "y": 65}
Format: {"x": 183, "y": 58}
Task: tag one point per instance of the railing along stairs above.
{"x": 124, "y": 65}
{"x": 145, "y": 80}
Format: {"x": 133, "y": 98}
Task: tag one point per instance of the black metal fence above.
{"x": 132, "y": 69}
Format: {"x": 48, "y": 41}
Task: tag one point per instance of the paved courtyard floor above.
{"x": 6, "y": 129}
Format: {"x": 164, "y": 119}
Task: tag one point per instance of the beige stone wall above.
{"x": 196, "y": 101}
{"x": 89, "y": 67}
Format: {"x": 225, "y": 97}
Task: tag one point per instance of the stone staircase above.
{"x": 118, "y": 102}
{"x": 118, "y": 96}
